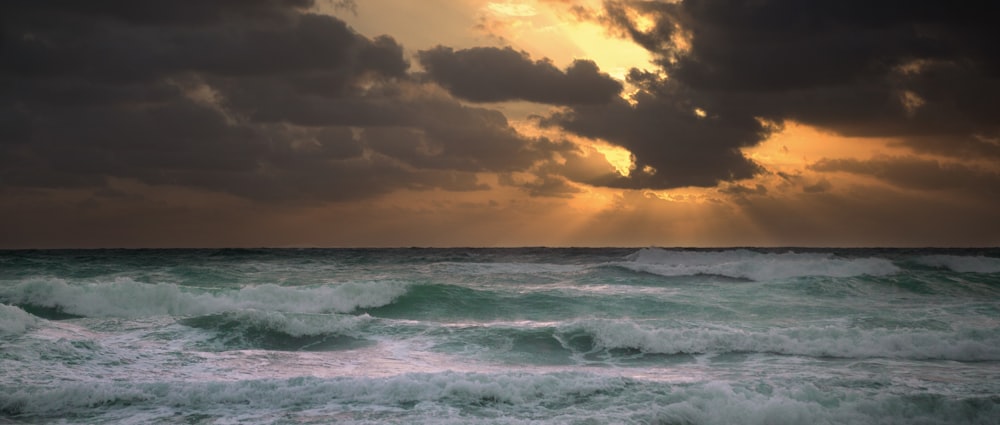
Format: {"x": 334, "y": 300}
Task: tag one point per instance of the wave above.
{"x": 746, "y": 264}
{"x": 469, "y": 268}
{"x": 816, "y": 341}
{"x": 14, "y": 320}
{"x": 130, "y": 299}
{"x": 281, "y": 331}
{"x": 453, "y": 387}
{"x": 962, "y": 264}
{"x": 452, "y": 397}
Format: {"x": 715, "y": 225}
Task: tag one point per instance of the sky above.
{"x": 385, "y": 123}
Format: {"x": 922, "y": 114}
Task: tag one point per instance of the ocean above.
{"x": 501, "y": 336}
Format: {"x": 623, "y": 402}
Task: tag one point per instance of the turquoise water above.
{"x": 500, "y": 336}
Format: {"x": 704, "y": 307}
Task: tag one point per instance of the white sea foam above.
{"x": 962, "y": 264}
{"x": 816, "y": 341}
{"x": 127, "y": 298}
{"x": 14, "y": 321}
{"x": 754, "y": 265}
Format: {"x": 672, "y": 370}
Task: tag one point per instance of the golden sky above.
{"x": 498, "y": 123}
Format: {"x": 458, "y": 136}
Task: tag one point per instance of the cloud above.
{"x": 919, "y": 70}
{"x": 259, "y": 99}
{"x": 178, "y": 12}
{"x": 674, "y": 146}
{"x": 919, "y": 174}
{"x": 743, "y": 190}
{"x": 490, "y": 74}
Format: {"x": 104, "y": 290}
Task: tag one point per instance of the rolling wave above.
{"x": 962, "y": 264}
{"x": 812, "y": 341}
{"x": 745, "y": 264}
{"x": 130, "y": 299}
{"x": 281, "y": 331}
{"x": 621, "y": 338}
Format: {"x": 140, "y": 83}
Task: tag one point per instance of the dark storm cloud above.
{"x": 926, "y": 73}
{"x": 260, "y": 99}
{"x": 490, "y": 74}
{"x": 672, "y": 144}
{"x": 184, "y": 12}
{"x": 100, "y": 50}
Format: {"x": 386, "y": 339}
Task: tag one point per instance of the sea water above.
{"x": 500, "y": 336}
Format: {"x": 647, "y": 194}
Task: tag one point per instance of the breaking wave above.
{"x": 15, "y": 321}
{"x": 131, "y": 299}
{"x": 962, "y": 264}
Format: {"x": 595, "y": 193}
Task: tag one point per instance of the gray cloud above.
{"x": 490, "y": 74}
{"x": 260, "y": 99}
{"x": 677, "y": 146}
{"x": 53, "y": 13}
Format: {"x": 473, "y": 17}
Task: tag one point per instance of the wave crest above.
{"x": 281, "y": 331}
{"x": 15, "y": 321}
{"x": 745, "y": 264}
{"x": 962, "y": 264}
{"x": 816, "y": 341}
{"x": 131, "y": 299}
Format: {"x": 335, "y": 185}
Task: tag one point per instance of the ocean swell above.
{"x": 746, "y": 264}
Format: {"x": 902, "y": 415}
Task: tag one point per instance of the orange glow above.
{"x": 642, "y": 23}
{"x": 511, "y": 9}
{"x": 617, "y": 156}
{"x": 797, "y": 145}
{"x": 612, "y": 157}
{"x": 546, "y": 30}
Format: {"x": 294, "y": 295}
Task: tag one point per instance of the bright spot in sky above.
{"x": 620, "y": 158}
{"x": 643, "y": 23}
{"x": 511, "y": 9}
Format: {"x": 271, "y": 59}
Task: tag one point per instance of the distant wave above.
{"x": 813, "y": 341}
{"x": 127, "y": 298}
{"x": 511, "y": 268}
{"x": 752, "y": 265}
{"x": 962, "y": 264}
